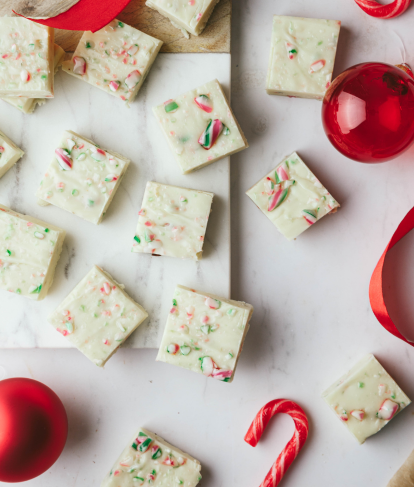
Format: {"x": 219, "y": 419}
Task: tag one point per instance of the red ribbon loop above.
{"x": 376, "y": 290}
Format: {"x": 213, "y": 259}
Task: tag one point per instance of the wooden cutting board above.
{"x": 215, "y": 37}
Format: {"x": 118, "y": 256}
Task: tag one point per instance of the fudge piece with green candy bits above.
{"x": 205, "y": 333}
{"x": 98, "y": 316}
{"x": 292, "y": 197}
{"x": 26, "y": 58}
{"x": 116, "y": 59}
{"x": 302, "y": 56}
{"x": 172, "y": 221}
{"x": 366, "y": 398}
{"x": 148, "y": 459}
{"x": 200, "y": 127}
{"x": 28, "y": 105}
{"x": 29, "y": 252}
{"x": 9, "y": 154}
{"x": 82, "y": 178}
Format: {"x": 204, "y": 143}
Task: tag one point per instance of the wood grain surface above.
{"x": 215, "y": 37}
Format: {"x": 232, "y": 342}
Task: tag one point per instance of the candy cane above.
{"x": 373, "y": 8}
{"x": 292, "y": 449}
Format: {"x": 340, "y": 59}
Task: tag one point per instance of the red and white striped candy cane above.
{"x": 375, "y": 9}
{"x": 292, "y": 449}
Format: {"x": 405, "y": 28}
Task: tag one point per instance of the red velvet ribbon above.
{"x": 86, "y": 15}
{"x": 376, "y": 289}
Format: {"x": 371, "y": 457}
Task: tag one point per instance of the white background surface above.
{"x": 135, "y": 134}
{"x": 312, "y": 319}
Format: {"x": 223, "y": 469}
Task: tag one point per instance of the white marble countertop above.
{"x": 312, "y": 317}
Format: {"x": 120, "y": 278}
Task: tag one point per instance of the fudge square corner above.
{"x": 200, "y": 127}
{"x": 302, "y": 56}
{"x": 205, "y": 333}
{"x": 292, "y": 197}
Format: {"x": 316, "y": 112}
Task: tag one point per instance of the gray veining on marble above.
{"x": 135, "y": 134}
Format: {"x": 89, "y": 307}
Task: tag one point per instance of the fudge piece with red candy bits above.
{"x": 366, "y": 398}
{"x": 29, "y": 252}
{"x": 292, "y": 197}
{"x": 302, "y": 56}
{"x": 27, "y": 58}
{"x": 172, "y": 221}
{"x": 82, "y": 178}
{"x": 190, "y": 16}
{"x": 205, "y": 333}
{"x": 149, "y": 459}
{"x": 116, "y": 59}
{"x": 97, "y": 316}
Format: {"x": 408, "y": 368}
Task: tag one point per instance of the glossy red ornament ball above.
{"x": 33, "y": 429}
{"x": 368, "y": 112}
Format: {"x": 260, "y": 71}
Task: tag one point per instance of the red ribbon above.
{"x": 376, "y": 290}
{"x": 89, "y": 15}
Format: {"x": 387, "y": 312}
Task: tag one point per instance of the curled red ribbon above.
{"x": 90, "y": 15}
{"x": 376, "y": 290}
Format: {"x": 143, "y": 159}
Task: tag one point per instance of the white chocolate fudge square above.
{"x": 205, "y": 333}
{"x": 28, "y": 105}
{"x": 292, "y": 197}
{"x": 366, "y": 398}
{"x": 97, "y": 316}
{"x": 9, "y": 154}
{"x": 116, "y": 59}
{"x": 29, "y": 252}
{"x": 150, "y": 460}
{"x": 302, "y": 56}
{"x": 188, "y": 15}
{"x": 172, "y": 221}
{"x": 26, "y": 58}
{"x": 82, "y": 178}
{"x": 200, "y": 127}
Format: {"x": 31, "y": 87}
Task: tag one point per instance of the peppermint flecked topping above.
{"x": 110, "y": 178}
{"x": 133, "y": 79}
{"x": 207, "y": 366}
{"x": 211, "y": 134}
{"x": 291, "y": 50}
{"x": 170, "y": 106}
{"x": 173, "y": 348}
{"x": 63, "y": 158}
{"x": 388, "y": 410}
{"x": 310, "y": 216}
{"x": 79, "y": 65}
{"x": 212, "y": 303}
{"x": 98, "y": 154}
{"x": 156, "y": 452}
{"x": 25, "y": 75}
{"x": 277, "y": 199}
{"x": 185, "y": 349}
{"x": 282, "y": 173}
{"x": 133, "y": 49}
{"x": 223, "y": 375}
{"x": 204, "y": 102}
{"x": 71, "y": 144}
{"x": 317, "y": 66}
{"x": 114, "y": 85}
{"x": 344, "y": 416}
{"x": 358, "y": 414}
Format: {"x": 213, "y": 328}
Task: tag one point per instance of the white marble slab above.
{"x": 135, "y": 134}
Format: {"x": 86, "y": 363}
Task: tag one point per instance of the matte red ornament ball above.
{"x": 368, "y": 112}
{"x": 33, "y": 429}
